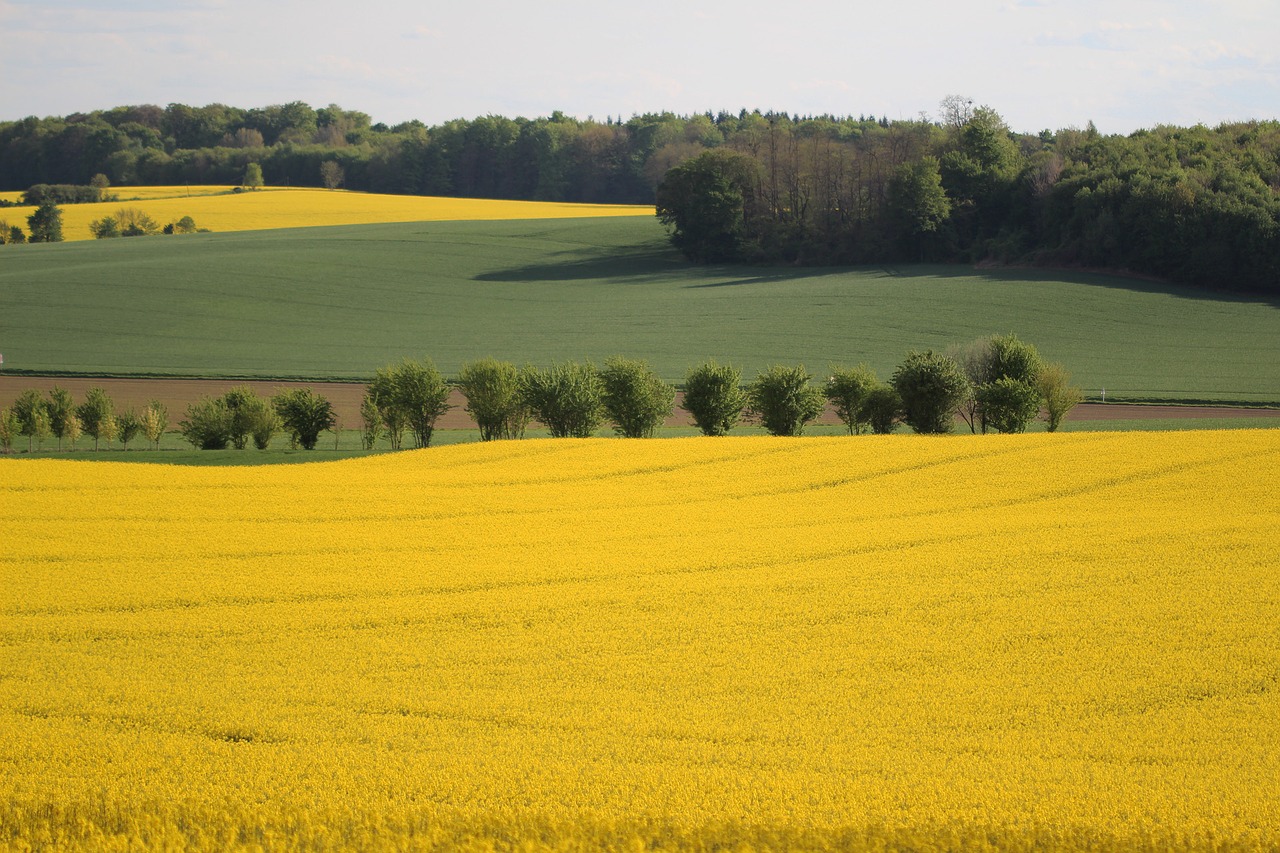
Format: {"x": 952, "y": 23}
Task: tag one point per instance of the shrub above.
{"x": 847, "y": 389}
{"x": 566, "y": 398}
{"x": 1007, "y": 404}
{"x": 1057, "y": 394}
{"x": 783, "y": 401}
{"x": 304, "y": 414}
{"x": 492, "y": 389}
{"x": 240, "y": 402}
{"x": 264, "y": 423}
{"x": 714, "y": 398}
{"x": 635, "y": 398}
{"x": 209, "y": 424}
{"x": 883, "y": 409}
{"x": 105, "y": 228}
{"x": 931, "y": 386}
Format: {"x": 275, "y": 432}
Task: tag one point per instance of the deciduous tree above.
{"x": 566, "y": 398}
{"x": 931, "y": 386}
{"x": 1058, "y": 395}
{"x": 492, "y": 389}
{"x": 635, "y": 398}
{"x": 713, "y": 396}
{"x": 847, "y": 390}
{"x": 45, "y": 224}
{"x": 304, "y": 414}
{"x": 782, "y": 399}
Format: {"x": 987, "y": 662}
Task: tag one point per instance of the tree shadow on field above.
{"x": 644, "y": 263}
{"x": 637, "y": 263}
{"x": 1111, "y": 279}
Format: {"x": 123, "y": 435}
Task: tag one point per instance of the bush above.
{"x": 240, "y": 402}
{"x": 1008, "y": 405}
{"x": 1057, "y": 394}
{"x": 882, "y": 409}
{"x": 264, "y": 423}
{"x": 714, "y": 398}
{"x": 635, "y": 398}
{"x": 209, "y": 424}
{"x": 105, "y": 228}
{"x": 567, "y": 398}
{"x": 931, "y": 386}
{"x": 847, "y": 390}
{"x": 783, "y": 401}
{"x": 304, "y": 414}
{"x": 492, "y": 389}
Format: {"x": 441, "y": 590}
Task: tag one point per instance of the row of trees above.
{"x": 1199, "y": 205}
{"x": 996, "y": 383}
{"x": 39, "y": 418}
{"x": 232, "y": 419}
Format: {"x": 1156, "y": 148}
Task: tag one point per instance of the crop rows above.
{"x": 1012, "y": 641}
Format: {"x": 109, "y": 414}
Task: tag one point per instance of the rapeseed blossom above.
{"x": 304, "y": 207}
{"x": 1018, "y": 642}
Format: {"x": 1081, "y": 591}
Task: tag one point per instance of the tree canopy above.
{"x": 1196, "y": 205}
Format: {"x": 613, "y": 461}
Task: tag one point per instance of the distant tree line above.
{"x": 1197, "y": 205}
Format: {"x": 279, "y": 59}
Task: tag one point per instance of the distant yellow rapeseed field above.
{"x": 1014, "y": 642}
{"x": 263, "y": 209}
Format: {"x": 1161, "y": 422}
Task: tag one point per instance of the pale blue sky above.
{"x": 1123, "y": 64}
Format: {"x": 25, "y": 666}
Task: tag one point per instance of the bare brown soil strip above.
{"x": 177, "y": 394}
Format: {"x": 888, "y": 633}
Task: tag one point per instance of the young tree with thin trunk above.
{"x": 10, "y": 428}
{"x": 97, "y": 415}
{"x": 155, "y": 420}
{"x": 29, "y": 408}
{"x": 1058, "y": 395}
{"x": 129, "y": 425}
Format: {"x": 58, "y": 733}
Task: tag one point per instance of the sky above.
{"x": 1122, "y": 64}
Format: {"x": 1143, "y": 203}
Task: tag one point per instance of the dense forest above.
{"x": 1197, "y": 205}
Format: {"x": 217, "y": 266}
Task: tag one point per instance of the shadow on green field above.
{"x": 626, "y": 263}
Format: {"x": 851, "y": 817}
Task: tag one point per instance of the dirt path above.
{"x": 177, "y": 394}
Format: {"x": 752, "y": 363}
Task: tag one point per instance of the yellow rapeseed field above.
{"x": 299, "y": 208}
{"x": 1018, "y": 642}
